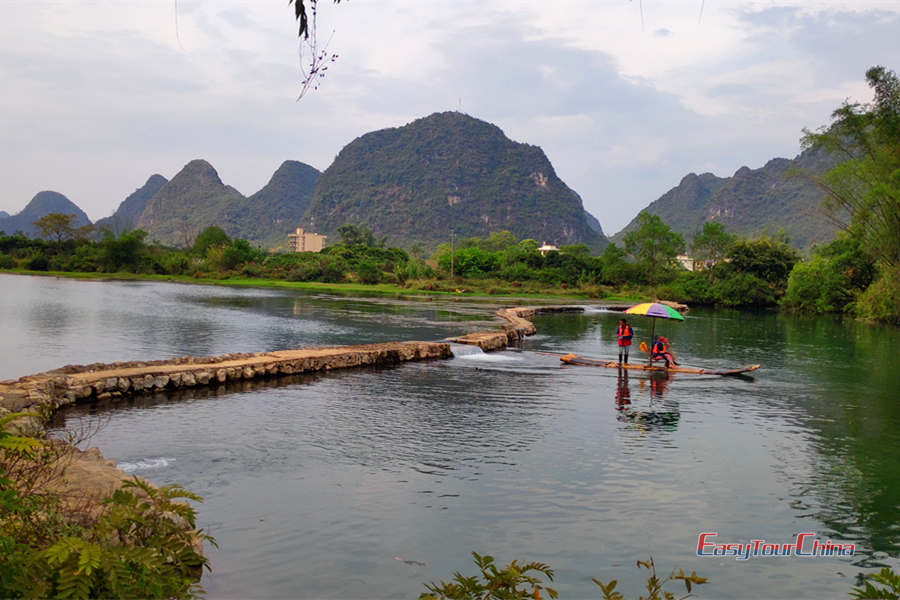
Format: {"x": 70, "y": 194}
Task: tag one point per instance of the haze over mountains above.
{"x": 447, "y": 171}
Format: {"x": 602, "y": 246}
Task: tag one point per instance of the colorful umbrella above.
{"x": 655, "y": 310}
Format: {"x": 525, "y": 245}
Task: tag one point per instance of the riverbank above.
{"x": 469, "y": 289}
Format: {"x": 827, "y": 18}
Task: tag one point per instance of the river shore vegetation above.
{"x": 730, "y": 271}
{"x": 140, "y": 542}
{"x": 749, "y": 272}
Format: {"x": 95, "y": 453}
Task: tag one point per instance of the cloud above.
{"x": 100, "y": 95}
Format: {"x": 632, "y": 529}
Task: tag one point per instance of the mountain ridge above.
{"x": 446, "y": 172}
{"x": 130, "y": 209}
{"x": 751, "y": 201}
{"x": 42, "y": 204}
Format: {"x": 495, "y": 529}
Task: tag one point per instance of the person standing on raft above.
{"x": 624, "y": 333}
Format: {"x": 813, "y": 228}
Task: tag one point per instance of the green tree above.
{"x": 126, "y": 251}
{"x": 358, "y": 234}
{"x": 57, "y": 226}
{"x": 712, "y": 243}
{"x": 765, "y": 258}
{"x": 237, "y": 253}
{"x": 831, "y": 279}
{"x": 615, "y": 269}
{"x": 211, "y": 236}
{"x": 863, "y": 192}
{"x": 496, "y": 241}
{"x": 654, "y": 244}
{"x": 578, "y": 250}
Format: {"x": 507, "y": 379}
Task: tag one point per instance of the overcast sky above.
{"x": 624, "y": 97}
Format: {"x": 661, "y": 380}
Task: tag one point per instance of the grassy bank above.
{"x": 460, "y": 288}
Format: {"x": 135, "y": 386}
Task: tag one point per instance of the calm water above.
{"x": 315, "y": 486}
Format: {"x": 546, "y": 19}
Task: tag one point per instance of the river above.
{"x": 315, "y": 486}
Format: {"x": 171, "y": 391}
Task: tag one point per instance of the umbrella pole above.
{"x": 652, "y": 331}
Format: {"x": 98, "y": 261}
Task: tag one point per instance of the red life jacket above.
{"x": 624, "y": 334}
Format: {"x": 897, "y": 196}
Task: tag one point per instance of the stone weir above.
{"x": 85, "y": 476}
{"x": 50, "y": 390}
{"x": 45, "y": 392}
{"x": 516, "y": 326}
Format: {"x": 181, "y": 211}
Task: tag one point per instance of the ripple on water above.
{"x": 309, "y": 480}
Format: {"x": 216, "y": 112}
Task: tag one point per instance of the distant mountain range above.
{"x": 42, "y": 204}
{"x": 445, "y": 172}
{"x": 751, "y": 201}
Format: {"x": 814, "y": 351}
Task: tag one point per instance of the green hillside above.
{"x": 448, "y": 171}
{"x": 42, "y": 204}
{"x": 276, "y": 210}
{"x": 751, "y": 201}
{"x": 126, "y": 216}
{"x": 196, "y": 198}
{"x": 192, "y": 200}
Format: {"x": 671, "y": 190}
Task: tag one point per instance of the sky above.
{"x": 625, "y": 97}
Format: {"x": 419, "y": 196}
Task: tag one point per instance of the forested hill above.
{"x": 448, "y": 171}
{"x": 196, "y": 198}
{"x": 275, "y": 210}
{"x": 129, "y": 211}
{"x": 751, "y": 201}
{"x": 41, "y": 205}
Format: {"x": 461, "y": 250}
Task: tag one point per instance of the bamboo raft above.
{"x": 574, "y": 359}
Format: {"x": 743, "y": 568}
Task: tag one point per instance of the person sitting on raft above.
{"x": 660, "y": 351}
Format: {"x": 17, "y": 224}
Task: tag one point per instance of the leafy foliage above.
{"x": 352, "y": 235}
{"x": 211, "y": 236}
{"x": 514, "y": 581}
{"x": 831, "y": 279}
{"x": 768, "y": 259}
{"x": 887, "y": 586}
{"x": 143, "y": 544}
{"x": 713, "y": 242}
{"x": 863, "y": 192}
{"x": 655, "y": 584}
{"x": 57, "y": 226}
{"x": 654, "y": 244}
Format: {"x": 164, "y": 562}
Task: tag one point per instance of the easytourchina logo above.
{"x": 804, "y": 545}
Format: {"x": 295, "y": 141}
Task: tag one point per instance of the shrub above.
{"x": 368, "y": 272}
{"x": 175, "y": 263}
{"x": 37, "y": 262}
{"x": 140, "y": 545}
{"x": 881, "y": 301}
{"x": 492, "y": 583}
{"x": 743, "y": 289}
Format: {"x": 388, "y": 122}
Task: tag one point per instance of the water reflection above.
{"x": 854, "y": 420}
{"x": 623, "y": 392}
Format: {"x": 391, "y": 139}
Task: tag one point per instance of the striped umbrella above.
{"x": 655, "y": 310}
